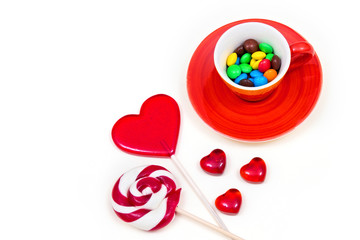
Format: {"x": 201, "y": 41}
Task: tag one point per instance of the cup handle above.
{"x": 301, "y": 52}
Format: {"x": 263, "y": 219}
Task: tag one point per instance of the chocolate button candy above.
{"x": 233, "y": 71}
{"x": 245, "y": 68}
{"x": 266, "y": 48}
{"x": 246, "y": 83}
{"x": 245, "y": 58}
{"x": 276, "y": 63}
{"x": 269, "y": 56}
{"x": 251, "y": 45}
{"x": 264, "y": 65}
{"x": 240, "y": 50}
{"x": 260, "y": 80}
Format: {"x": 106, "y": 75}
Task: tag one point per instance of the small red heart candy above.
{"x": 254, "y": 171}
{"x": 229, "y": 202}
{"x": 215, "y": 162}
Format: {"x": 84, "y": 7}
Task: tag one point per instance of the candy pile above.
{"x": 253, "y": 64}
{"x": 254, "y": 172}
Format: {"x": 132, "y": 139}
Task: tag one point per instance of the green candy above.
{"x": 245, "y": 68}
{"x": 245, "y": 58}
{"x": 266, "y": 48}
{"x": 233, "y": 71}
{"x": 269, "y": 56}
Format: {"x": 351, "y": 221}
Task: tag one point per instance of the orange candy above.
{"x": 270, "y": 74}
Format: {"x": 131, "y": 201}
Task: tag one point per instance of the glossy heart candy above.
{"x": 229, "y": 202}
{"x": 254, "y": 171}
{"x": 154, "y": 132}
{"x": 215, "y": 162}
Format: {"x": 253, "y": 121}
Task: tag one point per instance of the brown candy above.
{"x": 246, "y": 83}
{"x": 240, "y": 50}
{"x": 251, "y": 45}
{"x": 276, "y": 63}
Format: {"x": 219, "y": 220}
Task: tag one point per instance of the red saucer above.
{"x": 288, "y": 106}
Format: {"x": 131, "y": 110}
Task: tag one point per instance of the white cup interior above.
{"x": 237, "y": 35}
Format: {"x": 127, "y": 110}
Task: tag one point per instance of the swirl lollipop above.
{"x": 146, "y": 197}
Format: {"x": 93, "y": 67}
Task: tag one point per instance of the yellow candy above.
{"x": 255, "y": 64}
{"x": 231, "y": 60}
{"x": 252, "y": 61}
{"x": 258, "y": 55}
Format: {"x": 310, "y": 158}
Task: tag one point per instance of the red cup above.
{"x": 291, "y": 56}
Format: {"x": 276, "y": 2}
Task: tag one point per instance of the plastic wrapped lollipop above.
{"x": 146, "y": 197}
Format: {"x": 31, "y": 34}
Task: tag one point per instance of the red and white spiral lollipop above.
{"x": 146, "y": 197}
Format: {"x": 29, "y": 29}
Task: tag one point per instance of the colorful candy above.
{"x": 246, "y": 83}
{"x": 245, "y": 58}
{"x": 256, "y": 73}
{"x": 231, "y": 60}
{"x": 259, "y": 55}
{"x": 266, "y": 48}
{"x": 276, "y": 63}
{"x": 233, "y": 71}
{"x": 270, "y": 74}
{"x": 241, "y": 77}
{"x": 269, "y": 56}
{"x": 260, "y": 80}
{"x": 245, "y": 68}
{"x": 264, "y": 65}
{"x": 253, "y": 64}
{"x": 251, "y": 45}
{"x": 240, "y": 50}
{"x": 146, "y": 197}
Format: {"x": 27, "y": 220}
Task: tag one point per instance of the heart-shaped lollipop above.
{"x": 229, "y": 202}
{"x": 215, "y": 162}
{"x": 254, "y": 171}
{"x": 157, "y": 124}
{"x": 154, "y": 132}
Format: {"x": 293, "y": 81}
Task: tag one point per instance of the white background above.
{"x": 69, "y": 69}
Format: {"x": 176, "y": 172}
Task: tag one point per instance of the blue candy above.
{"x": 241, "y": 77}
{"x": 256, "y": 73}
{"x": 259, "y": 81}
{"x": 237, "y": 61}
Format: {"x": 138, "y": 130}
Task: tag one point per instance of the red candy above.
{"x": 141, "y": 195}
{"x": 214, "y": 162}
{"x": 264, "y": 65}
{"x": 229, "y": 202}
{"x": 154, "y": 132}
{"x": 254, "y": 171}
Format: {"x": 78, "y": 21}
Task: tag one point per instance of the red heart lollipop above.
{"x": 229, "y": 202}
{"x": 254, "y": 171}
{"x": 154, "y": 132}
{"x": 157, "y": 124}
{"x": 215, "y": 162}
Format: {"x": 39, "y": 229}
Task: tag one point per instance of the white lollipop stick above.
{"x": 210, "y": 225}
{"x": 195, "y": 188}
{"x": 198, "y": 192}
